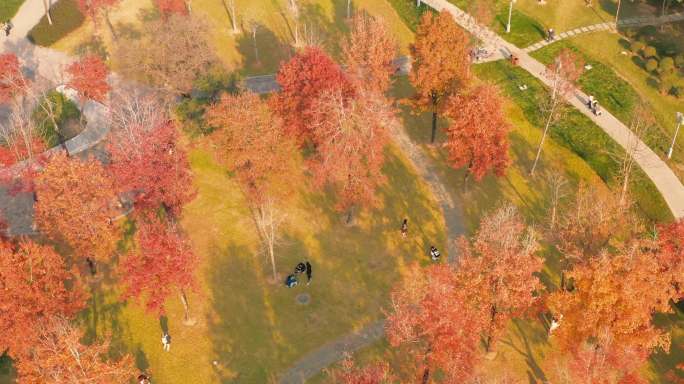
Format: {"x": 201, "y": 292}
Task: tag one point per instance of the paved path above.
{"x": 610, "y": 26}
{"x": 655, "y": 168}
{"x": 39, "y": 62}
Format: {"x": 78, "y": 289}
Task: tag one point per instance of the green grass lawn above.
{"x": 620, "y": 84}
{"x": 252, "y": 327}
{"x": 8, "y": 8}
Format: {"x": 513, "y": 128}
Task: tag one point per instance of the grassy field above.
{"x": 322, "y": 21}
{"x": 620, "y": 83}
{"x": 8, "y": 8}
{"x": 251, "y": 327}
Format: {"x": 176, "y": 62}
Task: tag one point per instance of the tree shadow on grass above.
{"x": 261, "y": 54}
{"x": 663, "y": 361}
{"x": 525, "y": 335}
{"x": 102, "y": 319}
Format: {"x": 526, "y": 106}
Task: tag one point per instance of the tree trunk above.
{"x": 426, "y": 373}
{"x": 488, "y": 342}
{"x": 541, "y": 143}
{"x": 348, "y": 9}
{"x": 350, "y": 215}
{"x": 434, "y": 127}
{"x": 187, "y": 320}
{"x": 46, "y": 4}
{"x": 625, "y": 185}
{"x": 256, "y": 50}
{"x": 271, "y": 252}
{"x": 110, "y": 26}
{"x": 233, "y": 16}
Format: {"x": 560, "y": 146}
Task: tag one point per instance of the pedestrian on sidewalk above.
{"x": 404, "y": 228}
{"x": 166, "y": 341}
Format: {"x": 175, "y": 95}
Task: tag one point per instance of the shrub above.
{"x": 64, "y": 111}
{"x": 650, "y": 51}
{"x": 65, "y": 18}
{"x": 637, "y": 46}
{"x": 679, "y": 60}
{"x": 651, "y": 65}
{"x": 666, "y": 65}
{"x": 667, "y": 83}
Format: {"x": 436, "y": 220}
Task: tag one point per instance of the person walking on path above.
{"x": 308, "y": 272}
{"x": 434, "y": 253}
{"x": 166, "y": 341}
{"x": 404, "y": 228}
{"x": 143, "y": 379}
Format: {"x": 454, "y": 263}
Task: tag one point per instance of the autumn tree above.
{"x": 369, "y": 52}
{"x": 302, "y": 80}
{"x": 88, "y": 76}
{"x": 148, "y": 162}
{"x": 441, "y": 63}
{"x": 349, "y": 373}
{"x": 168, "y": 7}
{"x": 59, "y": 356}
{"x": 477, "y": 136}
{"x": 612, "y": 303}
{"x": 430, "y": 318}
{"x": 163, "y": 264}
{"x": 35, "y": 285}
{"x": 563, "y": 73}
{"x": 499, "y": 269}
{"x": 76, "y": 204}
{"x": 670, "y": 255}
{"x": 173, "y": 60}
{"x": 98, "y": 11}
{"x": 12, "y": 81}
{"x": 253, "y": 144}
{"x": 350, "y": 137}
{"x": 640, "y": 124}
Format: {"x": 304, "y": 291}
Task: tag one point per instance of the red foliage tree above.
{"x": 371, "y": 374}
{"x": 150, "y": 162}
{"x": 302, "y": 80}
{"x": 89, "y": 78}
{"x": 671, "y": 256}
{"x": 498, "y": 271}
{"x": 12, "y": 81}
{"x": 168, "y": 7}
{"x": 76, "y": 203}
{"x": 163, "y": 264}
{"x": 430, "y": 316}
{"x": 369, "y": 52}
{"x": 33, "y": 282}
{"x": 58, "y": 356}
{"x": 478, "y": 132}
{"x": 350, "y": 136}
{"x": 92, "y": 8}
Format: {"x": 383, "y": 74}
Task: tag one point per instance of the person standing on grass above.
{"x": 404, "y": 228}
{"x": 143, "y": 379}
{"x": 434, "y": 253}
{"x": 308, "y": 273}
{"x": 166, "y": 341}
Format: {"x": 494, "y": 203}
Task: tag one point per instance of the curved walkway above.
{"x": 610, "y": 26}
{"x": 655, "y": 168}
{"x": 39, "y": 62}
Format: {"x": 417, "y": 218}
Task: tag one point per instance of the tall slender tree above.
{"x": 98, "y": 11}
{"x": 88, "y": 76}
{"x": 499, "y": 269}
{"x": 168, "y": 7}
{"x": 477, "y": 132}
{"x": 430, "y": 318}
{"x": 378, "y": 373}
{"x": 350, "y": 137}
{"x": 12, "y": 81}
{"x": 564, "y": 72}
{"x": 164, "y": 264}
{"x": 252, "y": 143}
{"x": 441, "y": 63}
{"x": 369, "y": 53}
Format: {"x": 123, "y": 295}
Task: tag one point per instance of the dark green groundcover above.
{"x": 66, "y": 17}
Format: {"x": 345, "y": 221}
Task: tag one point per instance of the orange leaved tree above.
{"x": 441, "y": 63}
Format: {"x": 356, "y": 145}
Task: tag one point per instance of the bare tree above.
{"x": 558, "y": 190}
{"x": 134, "y": 112}
{"x": 172, "y": 60}
{"x": 641, "y": 123}
{"x": 230, "y": 6}
{"x": 268, "y": 219}
{"x": 564, "y": 73}
{"x": 294, "y": 11}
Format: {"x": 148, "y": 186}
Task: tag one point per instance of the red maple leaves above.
{"x": 89, "y": 78}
